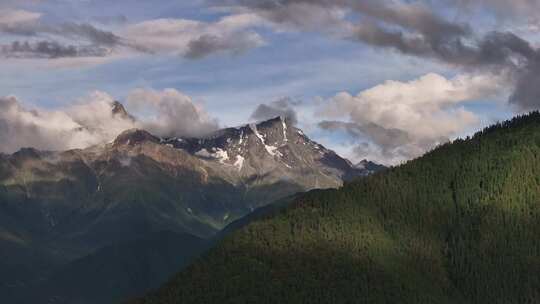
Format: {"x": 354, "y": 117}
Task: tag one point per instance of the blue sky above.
{"x": 261, "y": 56}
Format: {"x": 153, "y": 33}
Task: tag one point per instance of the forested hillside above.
{"x": 459, "y": 225}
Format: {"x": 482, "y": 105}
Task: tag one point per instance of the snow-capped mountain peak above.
{"x": 273, "y": 146}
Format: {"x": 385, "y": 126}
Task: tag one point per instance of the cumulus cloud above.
{"x": 47, "y": 130}
{"x": 170, "y": 113}
{"x": 387, "y": 139}
{"x": 401, "y": 120}
{"x": 379, "y": 144}
{"x": 97, "y": 119}
{"x": 98, "y": 113}
{"x": 284, "y": 107}
{"x": 196, "y": 39}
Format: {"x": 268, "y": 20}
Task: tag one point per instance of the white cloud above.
{"x": 170, "y": 113}
{"x": 11, "y": 17}
{"x": 404, "y": 119}
{"x": 91, "y": 121}
{"x": 195, "y": 39}
{"x": 94, "y": 112}
{"x": 42, "y": 129}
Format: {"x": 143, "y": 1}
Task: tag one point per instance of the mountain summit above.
{"x": 272, "y": 150}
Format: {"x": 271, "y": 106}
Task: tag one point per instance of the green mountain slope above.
{"x": 459, "y": 225}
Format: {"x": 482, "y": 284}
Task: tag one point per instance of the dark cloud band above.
{"x": 50, "y": 50}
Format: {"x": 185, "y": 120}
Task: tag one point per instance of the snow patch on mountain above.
{"x": 284, "y": 127}
{"x": 203, "y": 153}
{"x": 241, "y": 138}
{"x": 239, "y": 163}
{"x": 272, "y": 150}
{"x": 221, "y": 155}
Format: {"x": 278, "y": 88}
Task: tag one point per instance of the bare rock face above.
{"x": 134, "y": 137}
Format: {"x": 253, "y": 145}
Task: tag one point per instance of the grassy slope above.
{"x": 459, "y": 225}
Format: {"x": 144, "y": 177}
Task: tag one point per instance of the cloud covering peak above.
{"x": 170, "y": 113}
{"x": 95, "y": 119}
{"x": 283, "y": 107}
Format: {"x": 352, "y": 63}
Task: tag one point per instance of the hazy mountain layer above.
{"x": 115, "y": 272}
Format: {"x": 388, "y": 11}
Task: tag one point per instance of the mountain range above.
{"x": 59, "y": 210}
